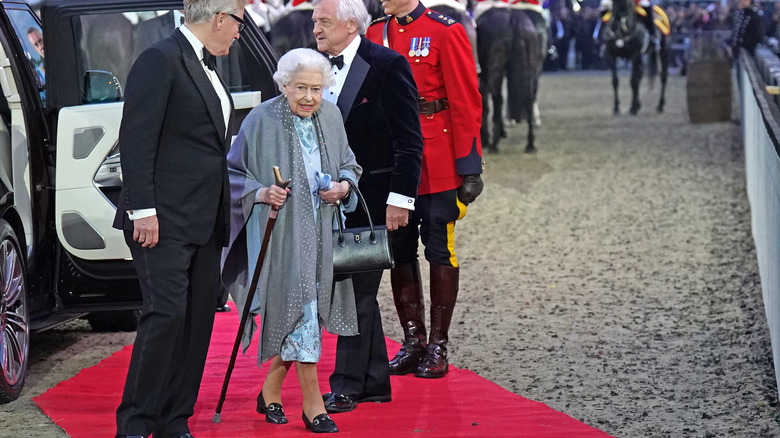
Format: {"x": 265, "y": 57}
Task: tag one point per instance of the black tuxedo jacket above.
{"x": 379, "y": 105}
{"x": 173, "y": 145}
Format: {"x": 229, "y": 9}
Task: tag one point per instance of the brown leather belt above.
{"x": 430, "y": 108}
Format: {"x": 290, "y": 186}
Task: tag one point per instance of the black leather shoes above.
{"x": 274, "y": 413}
{"x": 164, "y": 435}
{"x": 321, "y": 424}
{"x": 365, "y": 398}
{"x": 408, "y": 357}
{"x": 129, "y": 436}
{"x": 434, "y": 365}
{"x": 337, "y": 403}
{"x": 223, "y": 308}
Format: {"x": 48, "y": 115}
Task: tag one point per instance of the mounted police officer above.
{"x": 441, "y": 60}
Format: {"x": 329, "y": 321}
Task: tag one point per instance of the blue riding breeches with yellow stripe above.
{"x": 433, "y": 222}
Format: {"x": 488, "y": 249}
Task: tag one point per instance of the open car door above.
{"x": 85, "y": 92}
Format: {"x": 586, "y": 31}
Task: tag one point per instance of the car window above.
{"x": 111, "y": 42}
{"x": 28, "y": 32}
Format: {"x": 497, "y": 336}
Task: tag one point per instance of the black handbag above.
{"x": 363, "y": 249}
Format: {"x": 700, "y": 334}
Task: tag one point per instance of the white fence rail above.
{"x": 760, "y": 131}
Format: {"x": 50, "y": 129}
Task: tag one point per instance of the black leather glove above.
{"x": 470, "y": 188}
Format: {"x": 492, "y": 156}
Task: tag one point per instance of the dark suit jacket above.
{"x": 173, "y": 145}
{"x": 379, "y": 105}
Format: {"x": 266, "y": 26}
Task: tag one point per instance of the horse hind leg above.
{"x": 664, "y": 74}
{"x": 636, "y": 78}
{"x": 537, "y": 115}
{"x": 530, "y": 147}
{"x": 499, "y": 131}
{"x": 615, "y": 84}
{"x": 484, "y": 131}
{"x": 531, "y": 106}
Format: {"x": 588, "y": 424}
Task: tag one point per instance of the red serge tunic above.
{"x": 443, "y": 67}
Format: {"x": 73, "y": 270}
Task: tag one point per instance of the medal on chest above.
{"x": 420, "y": 46}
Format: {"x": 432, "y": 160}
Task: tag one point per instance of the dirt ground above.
{"x": 612, "y": 276}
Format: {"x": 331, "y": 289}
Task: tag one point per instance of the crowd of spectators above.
{"x": 574, "y": 27}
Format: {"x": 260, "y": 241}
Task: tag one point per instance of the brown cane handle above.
{"x": 279, "y": 181}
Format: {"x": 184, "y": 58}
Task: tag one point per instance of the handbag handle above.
{"x": 372, "y": 235}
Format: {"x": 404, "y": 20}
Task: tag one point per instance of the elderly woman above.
{"x": 304, "y": 136}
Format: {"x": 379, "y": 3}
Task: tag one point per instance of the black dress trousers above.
{"x": 361, "y": 361}
{"x": 179, "y": 283}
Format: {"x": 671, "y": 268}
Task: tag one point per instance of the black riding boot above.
{"x": 408, "y": 296}
{"x": 444, "y": 293}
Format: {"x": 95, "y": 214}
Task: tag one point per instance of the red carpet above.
{"x": 459, "y": 405}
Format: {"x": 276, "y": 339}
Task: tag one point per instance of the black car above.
{"x": 62, "y": 67}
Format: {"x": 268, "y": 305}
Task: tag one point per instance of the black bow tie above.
{"x": 338, "y": 61}
{"x": 209, "y": 60}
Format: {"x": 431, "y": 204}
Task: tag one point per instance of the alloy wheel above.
{"x": 15, "y": 340}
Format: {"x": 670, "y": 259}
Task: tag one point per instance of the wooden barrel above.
{"x": 709, "y": 90}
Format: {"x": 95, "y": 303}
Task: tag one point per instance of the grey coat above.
{"x": 298, "y": 266}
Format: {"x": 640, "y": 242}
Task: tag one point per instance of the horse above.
{"x": 626, "y": 37}
{"x": 458, "y": 12}
{"x": 509, "y": 44}
{"x": 294, "y": 28}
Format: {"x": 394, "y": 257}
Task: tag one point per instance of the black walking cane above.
{"x": 250, "y": 294}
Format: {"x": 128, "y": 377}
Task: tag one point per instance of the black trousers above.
{"x": 361, "y": 360}
{"x": 433, "y": 222}
{"x": 179, "y": 283}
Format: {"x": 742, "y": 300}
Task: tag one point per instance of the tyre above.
{"x": 118, "y": 321}
{"x": 14, "y": 314}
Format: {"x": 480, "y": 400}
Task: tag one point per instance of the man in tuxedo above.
{"x": 377, "y": 96}
{"x": 174, "y": 210}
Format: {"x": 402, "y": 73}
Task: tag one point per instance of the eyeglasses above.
{"x": 241, "y": 22}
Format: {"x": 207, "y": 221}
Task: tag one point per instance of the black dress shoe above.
{"x": 336, "y": 403}
{"x": 376, "y": 398}
{"x": 223, "y": 308}
{"x": 129, "y": 436}
{"x": 321, "y": 424}
{"x": 161, "y": 434}
{"x": 274, "y": 413}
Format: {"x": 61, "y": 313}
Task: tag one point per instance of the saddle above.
{"x": 660, "y": 19}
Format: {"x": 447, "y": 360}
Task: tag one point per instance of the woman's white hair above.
{"x": 201, "y": 11}
{"x": 352, "y": 10}
{"x": 297, "y": 60}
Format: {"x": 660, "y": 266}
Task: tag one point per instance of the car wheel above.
{"x": 15, "y": 340}
{"x": 119, "y": 321}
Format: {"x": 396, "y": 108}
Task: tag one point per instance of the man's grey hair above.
{"x": 298, "y": 60}
{"x": 352, "y": 10}
{"x": 201, "y": 11}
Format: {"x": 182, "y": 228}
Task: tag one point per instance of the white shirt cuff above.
{"x": 400, "y": 201}
{"x": 142, "y": 213}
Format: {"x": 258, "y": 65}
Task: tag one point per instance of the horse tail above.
{"x": 493, "y": 48}
{"x": 652, "y": 62}
{"x": 520, "y": 74}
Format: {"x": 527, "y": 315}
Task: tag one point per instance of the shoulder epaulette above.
{"x": 441, "y": 18}
{"x": 380, "y": 19}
